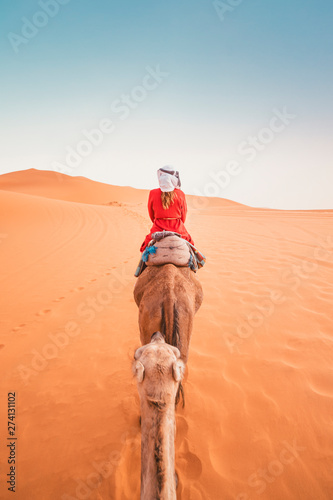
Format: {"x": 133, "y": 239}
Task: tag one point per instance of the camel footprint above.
{"x": 77, "y": 289}
{"x": 182, "y": 427}
{"x": 109, "y": 269}
{"x": 16, "y": 328}
{"x": 58, "y": 299}
{"x": 43, "y": 312}
{"x": 189, "y": 464}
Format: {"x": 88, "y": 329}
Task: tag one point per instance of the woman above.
{"x": 167, "y": 206}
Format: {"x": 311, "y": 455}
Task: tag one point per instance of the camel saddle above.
{"x": 167, "y": 249}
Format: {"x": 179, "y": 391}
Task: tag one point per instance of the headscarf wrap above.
{"x": 168, "y": 179}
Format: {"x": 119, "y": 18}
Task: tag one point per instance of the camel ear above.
{"x": 178, "y": 369}
{"x": 138, "y": 352}
{"x": 176, "y": 351}
{"x": 139, "y": 371}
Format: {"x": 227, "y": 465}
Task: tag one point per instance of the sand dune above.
{"x": 259, "y": 384}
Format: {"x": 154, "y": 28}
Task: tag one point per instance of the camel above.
{"x": 168, "y": 298}
{"x": 158, "y": 370}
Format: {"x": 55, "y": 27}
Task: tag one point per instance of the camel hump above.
{"x": 158, "y": 283}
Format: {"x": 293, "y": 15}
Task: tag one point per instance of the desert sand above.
{"x": 257, "y": 422}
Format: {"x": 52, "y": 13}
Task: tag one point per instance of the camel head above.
{"x": 158, "y": 370}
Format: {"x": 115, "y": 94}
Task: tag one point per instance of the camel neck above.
{"x": 157, "y": 451}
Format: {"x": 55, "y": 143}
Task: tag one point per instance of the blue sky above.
{"x": 225, "y": 73}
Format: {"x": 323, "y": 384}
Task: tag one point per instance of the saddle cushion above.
{"x": 170, "y": 250}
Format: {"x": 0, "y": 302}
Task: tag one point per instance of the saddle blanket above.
{"x": 167, "y": 247}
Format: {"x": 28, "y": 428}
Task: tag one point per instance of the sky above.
{"x": 235, "y": 94}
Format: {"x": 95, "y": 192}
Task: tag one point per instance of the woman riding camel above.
{"x": 167, "y": 206}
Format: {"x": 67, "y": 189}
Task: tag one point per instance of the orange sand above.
{"x": 258, "y": 416}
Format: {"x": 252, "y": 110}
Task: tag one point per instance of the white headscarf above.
{"x": 168, "y": 179}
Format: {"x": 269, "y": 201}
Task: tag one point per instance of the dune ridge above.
{"x": 259, "y": 394}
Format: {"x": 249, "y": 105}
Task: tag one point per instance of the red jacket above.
{"x": 176, "y": 212}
